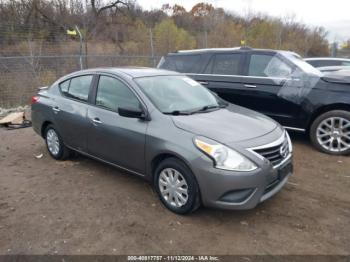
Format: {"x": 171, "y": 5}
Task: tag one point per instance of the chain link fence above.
{"x": 20, "y": 76}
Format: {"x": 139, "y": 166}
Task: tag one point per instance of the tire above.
{"x": 59, "y": 153}
{"x": 184, "y": 177}
{"x": 332, "y": 126}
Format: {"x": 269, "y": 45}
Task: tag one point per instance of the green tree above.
{"x": 226, "y": 34}
{"x": 168, "y": 37}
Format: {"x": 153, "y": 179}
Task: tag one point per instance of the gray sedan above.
{"x": 191, "y": 145}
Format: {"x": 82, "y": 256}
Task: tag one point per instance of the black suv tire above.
{"x": 331, "y": 126}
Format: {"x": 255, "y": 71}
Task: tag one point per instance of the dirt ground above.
{"x": 82, "y": 206}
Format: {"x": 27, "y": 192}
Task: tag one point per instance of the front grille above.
{"x": 275, "y": 154}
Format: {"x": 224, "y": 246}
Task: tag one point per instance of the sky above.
{"x": 333, "y": 15}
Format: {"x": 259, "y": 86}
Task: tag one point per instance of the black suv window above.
{"x": 77, "y": 87}
{"x": 112, "y": 93}
{"x": 224, "y": 64}
{"x": 182, "y": 63}
{"x": 320, "y": 63}
{"x": 266, "y": 65}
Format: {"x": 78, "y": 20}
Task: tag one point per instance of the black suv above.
{"x": 277, "y": 83}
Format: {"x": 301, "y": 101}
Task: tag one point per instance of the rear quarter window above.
{"x": 182, "y": 63}
{"x": 64, "y": 86}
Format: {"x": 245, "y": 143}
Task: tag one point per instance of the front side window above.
{"x": 268, "y": 66}
{"x": 225, "y": 64}
{"x": 112, "y": 94}
{"x": 176, "y": 93}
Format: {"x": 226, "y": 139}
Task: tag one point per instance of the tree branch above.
{"x": 98, "y": 11}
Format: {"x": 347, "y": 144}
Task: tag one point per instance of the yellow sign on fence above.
{"x": 71, "y": 32}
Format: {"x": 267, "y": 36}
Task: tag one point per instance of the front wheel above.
{"x": 330, "y": 132}
{"x": 176, "y": 186}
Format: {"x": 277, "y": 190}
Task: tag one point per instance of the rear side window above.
{"x": 112, "y": 94}
{"x": 77, "y": 87}
{"x": 268, "y": 66}
{"x": 224, "y": 64}
{"x": 182, "y": 63}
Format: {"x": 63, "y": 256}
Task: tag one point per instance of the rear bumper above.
{"x": 241, "y": 190}
{"x": 36, "y": 120}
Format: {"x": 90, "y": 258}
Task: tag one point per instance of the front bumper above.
{"x": 240, "y": 190}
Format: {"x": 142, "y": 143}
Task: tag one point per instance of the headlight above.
{"x": 224, "y": 157}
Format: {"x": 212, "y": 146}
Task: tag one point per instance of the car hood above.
{"x": 227, "y": 125}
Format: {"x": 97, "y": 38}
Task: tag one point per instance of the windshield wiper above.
{"x": 206, "y": 108}
{"x": 177, "y": 113}
{"x": 197, "y": 110}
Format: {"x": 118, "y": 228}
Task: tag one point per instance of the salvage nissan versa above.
{"x": 194, "y": 147}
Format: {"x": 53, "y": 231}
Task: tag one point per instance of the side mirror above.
{"x": 131, "y": 113}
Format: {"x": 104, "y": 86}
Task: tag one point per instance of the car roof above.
{"x": 219, "y": 50}
{"x": 230, "y": 49}
{"x": 132, "y": 72}
{"x": 326, "y": 58}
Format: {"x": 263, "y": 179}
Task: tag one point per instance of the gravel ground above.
{"x": 82, "y": 206}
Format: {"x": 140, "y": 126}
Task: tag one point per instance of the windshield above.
{"x": 177, "y": 94}
{"x": 304, "y": 66}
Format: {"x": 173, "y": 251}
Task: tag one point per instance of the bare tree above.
{"x": 97, "y": 9}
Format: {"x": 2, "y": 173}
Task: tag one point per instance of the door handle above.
{"x": 250, "y": 86}
{"x": 203, "y": 82}
{"x": 56, "y": 109}
{"x": 96, "y": 121}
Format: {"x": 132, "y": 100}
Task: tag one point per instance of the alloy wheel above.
{"x": 333, "y": 134}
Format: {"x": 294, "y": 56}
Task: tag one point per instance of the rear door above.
{"x": 70, "y": 110}
{"x": 223, "y": 75}
{"x": 111, "y": 137}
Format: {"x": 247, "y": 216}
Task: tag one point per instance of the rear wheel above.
{"x": 176, "y": 186}
{"x": 330, "y": 132}
{"x": 55, "y": 144}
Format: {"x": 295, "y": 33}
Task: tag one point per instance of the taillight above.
{"x": 35, "y": 99}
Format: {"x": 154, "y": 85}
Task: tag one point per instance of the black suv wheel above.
{"x": 330, "y": 132}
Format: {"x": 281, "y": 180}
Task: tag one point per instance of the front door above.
{"x": 113, "y": 138}
{"x": 266, "y": 79}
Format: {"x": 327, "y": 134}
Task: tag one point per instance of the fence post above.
{"x": 152, "y": 48}
{"x": 81, "y": 48}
